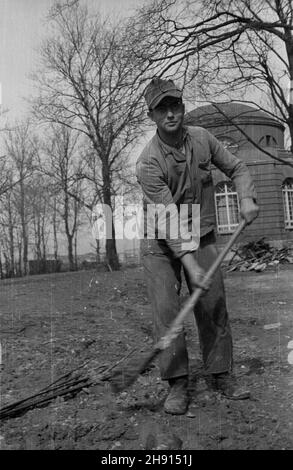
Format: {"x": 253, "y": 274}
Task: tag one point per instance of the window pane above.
{"x": 233, "y": 209}
{"x": 288, "y": 202}
{"x": 227, "y": 208}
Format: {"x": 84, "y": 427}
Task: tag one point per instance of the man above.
{"x": 175, "y": 168}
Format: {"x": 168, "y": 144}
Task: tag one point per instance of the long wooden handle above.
{"x": 176, "y": 326}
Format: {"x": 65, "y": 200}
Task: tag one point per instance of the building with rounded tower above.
{"x": 256, "y": 138}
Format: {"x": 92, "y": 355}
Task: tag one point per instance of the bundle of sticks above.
{"x": 66, "y": 386}
{"x": 257, "y": 256}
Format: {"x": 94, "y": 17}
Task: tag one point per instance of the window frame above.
{"x": 268, "y": 140}
{"x": 230, "y": 194}
{"x": 287, "y": 193}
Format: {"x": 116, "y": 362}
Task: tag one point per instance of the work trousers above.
{"x": 163, "y": 279}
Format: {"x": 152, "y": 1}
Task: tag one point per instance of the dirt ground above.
{"x": 51, "y": 324}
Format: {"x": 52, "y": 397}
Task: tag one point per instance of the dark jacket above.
{"x": 168, "y": 176}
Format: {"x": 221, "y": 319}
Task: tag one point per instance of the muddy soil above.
{"x": 51, "y": 324}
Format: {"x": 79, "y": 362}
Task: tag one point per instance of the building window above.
{"x": 287, "y": 190}
{"x": 227, "y": 207}
{"x": 268, "y": 141}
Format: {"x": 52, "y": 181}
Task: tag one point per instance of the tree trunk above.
{"x": 25, "y": 251}
{"x": 1, "y": 269}
{"x": 98, "y": 251}
{"x": 43, "y": 236}
{"x": 75, "y": 251}
{"x": 55, "y": 231}
{"x": 111, "y": 251}
{"x": 23, "y": 227}
{"x": 19, "y": 273}
{"x": 69, "y": 233}
{"x": 37, "y": 237}
{"x": 70, "y": 253}
{"x": 7, "y": 265}
{"x": 11, "y": 238}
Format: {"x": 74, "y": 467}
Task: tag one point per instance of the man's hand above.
{"x": 248, "y": 210}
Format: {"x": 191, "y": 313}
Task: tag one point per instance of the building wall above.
{"x": 253, "y": 130}
{"x": 268, "y": 178}
{"x": 268, "y": 175}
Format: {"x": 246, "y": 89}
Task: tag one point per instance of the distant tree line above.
{"x": 73, "y": 151}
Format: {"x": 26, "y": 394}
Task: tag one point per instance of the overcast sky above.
{"x": 22, "y": 25}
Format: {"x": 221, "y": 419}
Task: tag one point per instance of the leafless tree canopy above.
{"x": 62, "y": 163}
{"x": 90, "y": 81}
{"x": 225, "y": 50}
{"x": 16, "y": 208}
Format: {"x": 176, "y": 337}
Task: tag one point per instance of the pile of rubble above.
{"x": 257, "y": 256}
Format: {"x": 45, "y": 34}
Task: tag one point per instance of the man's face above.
{"x": 168, "y": 115}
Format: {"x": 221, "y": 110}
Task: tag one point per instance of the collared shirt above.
{"x": 170, "y": 177}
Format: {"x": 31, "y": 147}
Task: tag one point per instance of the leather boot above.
{"x": 227, "y": 385}
{"x": 176, "y": 402}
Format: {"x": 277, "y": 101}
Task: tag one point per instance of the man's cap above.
{"x": 158, "y": 89}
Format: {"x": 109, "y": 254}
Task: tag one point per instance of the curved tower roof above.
{"x": 223, "y": 114}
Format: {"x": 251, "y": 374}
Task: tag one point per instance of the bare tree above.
{"x": 40, "y": 195}
{"x": 5, "y": 175}
{"x": 226, "y": 50}
{"x": 21, "y": 151}
{"x": 7, "y": 183}
{"x": 8, "y": 227}
{"x": 61, "y": 164}
{"x": 55, "y": 222}
{"x": 90, "y": 81}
